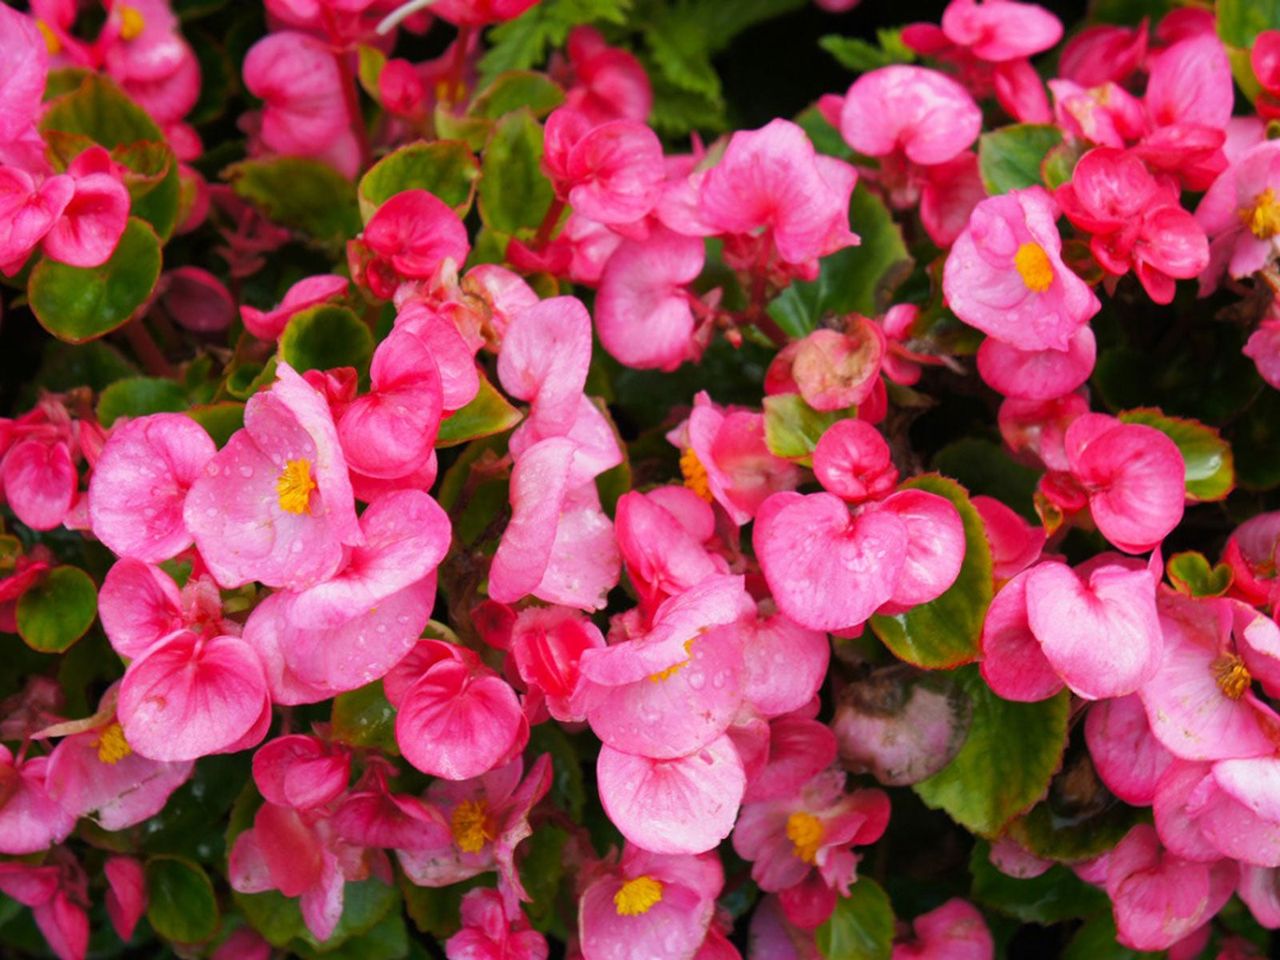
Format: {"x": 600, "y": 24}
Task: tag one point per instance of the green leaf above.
{"x": 1211, "y": 473}
{"x": 436, "y": 911}
{"x": 365, "y": 718}
{"x": 139, "y": 396}
{"x": 862, "y": 57}
{"x": 986, "y": 468}
{"x": 301, "y": 194}
{"x": 445, "y": 168}
{"x": 1009, "y": 158}
{"x": 487, "y": 414}
{"x": 541, "y": 870}
{"x": 1255, "y": 441}
{"x": 523, "y": 42}
{"x": 323, "y": 337}
{"x": 1190, "y": 573}
{"x": 1096, "y": 940}
{"x": 792, "y": 428}
{"x": 151, "y": 178}
{"x": 58, "y": 610}
{"x": 514, "y": 193}
{"x": 1055, "y": 834}
{"x": 76, "y": 304}
{"x": 515, "y": 89}
{"x": 371, "y": 61}
{"x": 861, "y": 928}
{"x": 95, "y": 365}
{"x": 181, "y": 905}
{"x": 946, "y": 632}
{"x": 279, "y": 918}
{"x": 220, "y": 420}
{"x": 1004, "y": 767}
{"x": 567, "y": 788}
{"x": 1054, "y": 896}
{"x": 100, "y": 110}
{"x": 1240, "y": 21}
{"x": 388, "y": 939}
{"x": 857, "y": 279}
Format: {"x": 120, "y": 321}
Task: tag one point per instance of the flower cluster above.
{"x": 455, "y": 507}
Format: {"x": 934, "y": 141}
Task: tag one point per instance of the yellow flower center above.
{"x": 695, "y": 474}
{"x": 1232, "y": 675}
{"x": 111, "y": 744}
{"x": 637, "y": 897}
{"x": 470, "y": 825}
{"x": 804, "y": 830}
{"x": 675, "y": 668}
{"x": 1034, "y": 267}
{"x": 51, "y": 41}
{"x": 294, "y": 486}
{"x": 131, "y": 23}
{"x": 1263, "y": 218}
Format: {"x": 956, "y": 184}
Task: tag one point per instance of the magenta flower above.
{"x": 1038, "y": 374}
{"x": 1125, "y": 753}
{"x": 1241, "y": 215}
{"x": 58, "y": 895}
{"x": 920, "y": 113}
{"x": 650, "y": 905}
{"x": 609, "y": 82}
{"x": 301, "y": 771}
{"x": 490, "y": 931}
{"x": 410, "y": 237}
{"x": 269, "y": 324}
{"x": 140, "y": 483}
{"x": 1005, "y": 275}
{"x": 610, "y": 172}
{"x": 275, "y": 504}
{"x": 30, "y": 819}
{"x": 662, "y": 544}
{"x": 953, "y": 931}
{"x": 126, "y": 894}
{"x": 547, "y": 644}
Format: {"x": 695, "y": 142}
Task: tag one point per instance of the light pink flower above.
{"x": 30, "y": 819}
{"x": 275, "y": 504}
{"x": 1241, "y": 215}
{"x": 58, "y": 896}
{"x": 1126, "y": 754}
{"x": 309, "y": 292}
{"x": 921, "y": 113}
{"x": 545, "y": 353}
{"x": 1037, "y": 374}
{"x": 1005, "y": 275}
{"x": 492, "y": 932}
{"x": 301, "y": 771}
{"x": 609, "y": 172}
{"x": 126, "y": 894}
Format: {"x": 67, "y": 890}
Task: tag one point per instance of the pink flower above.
{"x": 304, "y": 112}
{"x": 410, "y": 237}
{"x": 609, "y": 82}
{"x": 547, "y": 644}
{"x": 650, "y": 905}
{"x": 488, "y": 818}
{"x": 771, "y": 182}
{"x": 1102, "y": 54}
{"x": 196, "y": 300}
{"x": 609, "y": 172}
{"x": 30, "y": 819}
{"x": 1037, "y": 374}
{"x": 309, "y": 292}
{"x": 1263, "y": 348}
{"x": 140, "y": 482}
{"x": 455, "y": 718}
{"x": 644, "y": 313}
{"x": 813, "y": 830}
{"x": 275, "y": 504}
{"x": 476, "y": 13}
{"x": 996, "y": 32}
{"x": 1125, "y": 753}
{"x": 1015, "y": 544}
{"x": 22, "y": 89}
{"x": 126, "y": 894}
{"x": 1135, "y": 221}
{"x": 545, "y": 353}
{"x": 90, "y": 226}
{"x": 301, "y": 771}
{"x": 918, "y": 112}
{"x": 58, "y": 896}
{"x": 834, "y": 370}
{"x": 40, "y": 479}
{"x": 682, "y": 805}
{"x": 948, "y": 197}
{"x": 1005, "y": 275}
{"x": 953, "y": 931}
{"x": 492, "y": 932}
{"x": 140, "y": 605}
{"x": 1157, "y": 897}
{"x": 1241, "y": 215}
{"x": 149, "y": 58}
{"x": 662, "y": 554}
{"x": 724, "y": 458}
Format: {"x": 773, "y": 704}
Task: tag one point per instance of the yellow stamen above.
{"x": 638, "y": 896}
{"x": 1034, "y": 267}
{"x": 131, "y": 23}
{"x": 51, "y": 41}
{"x": 1232, "y": 676}
{"x": 470, "y": 825}
{"x": 294, "y": 486}
{"x": 675, "y": 668}
{"x": 1263, "y": 218}
{"x": 804, "y": 830}
{"x": 111, "y": 744}
{"x": 695, "y": 474}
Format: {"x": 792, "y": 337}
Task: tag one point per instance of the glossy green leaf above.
{"x": 1191, "y": 574}
{"x": 985, "y": 467}
{"x": 515, "y": 89}
{"x": 139, "y": 396}
{"x": 365, "y": 718}
{"x": 514, "y": 193}
{"x": 1054, "y": 896}
{"x": 100, "y": 110}
{"x": 446, "y": 168}
{"x": 279, "y": 918}
{"x": 436, "y": 911}
{"x": 371, "y": 61}
{"x": 1009, "y": 158}
{"x": 58, "y": 610}
{"x": 82, "y": 303}
{"x": 488, "y": 413}
{"x": 1005, "y": 765}
{"x": 946, "y": 632}
{"x": 181, "y": 904}
{"x": 862, "y": 926}
{"x": 304, "y": 195}
{"x": 323, "y": 337}
{"x": 220, "y": 420}
{"x": 1053, "y": 833}
{"x": 860, "y": 56}
{"x": 792, "y": 428}
{"x": 151, "y": 178}
{"x": 857, "y": 279}
{"x": 1211, "y": 473}
{"x": 388, "y": 939}
{"x": 1240, "y": 21}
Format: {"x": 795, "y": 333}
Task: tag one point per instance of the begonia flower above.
{"x": 409, "y": 238}
{"x": 492, "y": 932}
{"x": 919, "y": 112}
{"x": 609, "y": 172}
{"x": 309, "y": 292}
{"x": 953, "y": 931}
{"x": 58, "y": 896}
{"x": 30, "y": 819}
{"x": 126, "y": 894}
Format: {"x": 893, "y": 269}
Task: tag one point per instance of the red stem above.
{"x": 548, "y": 224}
{"x": 145, "y": 348}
